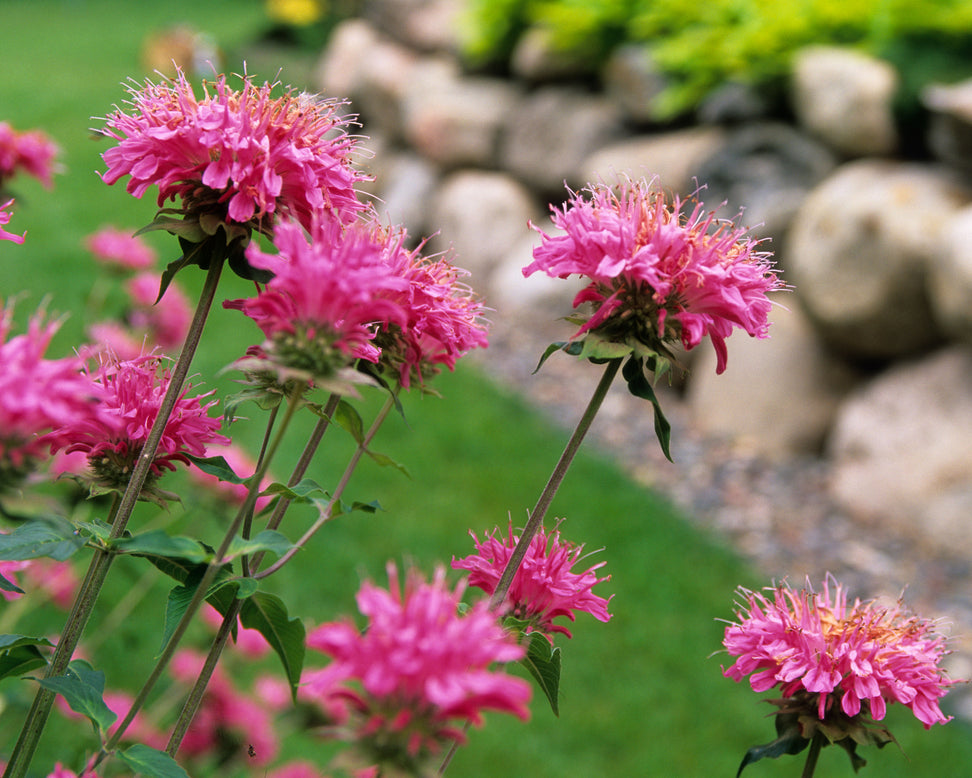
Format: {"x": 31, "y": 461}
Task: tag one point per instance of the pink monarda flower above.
{"x": 120, "y": 249}
{"x": 39, "y": 398}
{"x": 60, "y": 771}
{"x": 132, "y": 393}
{"x": 544, "y": 586}
{"x": 657, "y": 275}
{"x": 32, "y": 152}
{"x": 243, "y": 155}
{"x": 417, "y": 665}
{"x": 865, "y": 655}
{"x": 5, "y": 219}
{"x": 329, "y": 293}
{"x": 444, "y": 320}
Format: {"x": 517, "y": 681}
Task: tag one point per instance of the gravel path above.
{"x": 776, "y": 514}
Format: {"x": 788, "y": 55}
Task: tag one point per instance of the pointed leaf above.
{"x": 10, "y": 586}
{"x": 383, "y": 460}
{"x": 790, "y": 741}
{"x": 350, "y": 420}
{"x": 83, "y": 688}
{"x": 366, "y": 507}
{"x": 20, "y": 660}
{"x": 639, "y": 386}
{"x": 50, "y": 536}
{"x": 299, "y": 492}
{"x": 159, "y": 544}
{"x": 8, "y": 642}
{"x": 542, "y": 660}
{"x": 179, "y": 598}
{"x": 551, "y": 349}
{"x": 267, "y": 614}
{"x": 267, "y": 540}
{"x": 148, "y": 761}
{"x": 218, "y": 467}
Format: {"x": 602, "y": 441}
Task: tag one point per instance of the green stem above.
{"x": 543, "y": 503}
{"x": 553, "y": 483}
{"x": 199, "y": 595}
{"x": 812, "y": 755}
{"x": 229, "y": 620}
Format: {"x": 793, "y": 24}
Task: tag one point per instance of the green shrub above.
{"x": 699, "y": 46}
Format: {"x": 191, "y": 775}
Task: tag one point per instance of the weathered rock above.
{"x": 673, "y": 157}
{"x": 482, "y": 215}
{"x": 778, "y": 396}
{"x": 767, "y": 169}
{"x": 405, "y": 187}
{"x": 536, "y": 59}
{"x": 733, "y": 103}
{"x": 902, "y": 453}
{"x": 858, "y": 253}
{"x": 427, "y": 25}
{"x": 845, "y": 98}
{"x": 554, "y": 130}
{"x": 509, "y": 292}
{"x": 372, "y": 70}
{"x": 950, "y": 129}
{"x": 632, "y": 79}
{"x": 457, "y": 121}
{"x": 950, "y": 278}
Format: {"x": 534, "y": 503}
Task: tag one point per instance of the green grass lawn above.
{"x": 642, "y": 695}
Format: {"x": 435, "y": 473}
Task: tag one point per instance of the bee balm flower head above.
{"x": 658, "y": 273}
{"x": 417, "y": 667}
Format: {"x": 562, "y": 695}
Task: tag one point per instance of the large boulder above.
{"x": 846, "y": 99}
{"x": 901, "y": 451}
{"x": 778, "y": 396}
{"x": 950, "y": 278}
{"x": 858, "y": 255}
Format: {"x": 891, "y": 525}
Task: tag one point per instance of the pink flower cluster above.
{"x": 544, "y": 586}
{"x": 120, "y": 249}
{"x": 657, "y": 275}
{"x": 417, "y": 665}
{"x": 865, "y": 653}
{"x": 245, "y": 155}
{"x": 320, "y": 309}
{"x": 132, "y": 392}
{"x": 444, "y": 320}
{"x": 31, "y": 152}
{"x": 5, "y": 219}
{"x": 40, "y": 399}
{"x": 56, "y": 579}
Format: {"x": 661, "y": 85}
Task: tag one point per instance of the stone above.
{"x": 950, "y": 278}
{"x": 482, "y": 215}
{"x": 405, "y": 188}
{"x": 778, "y": 396}
{"x": 950, "y": 128}
{"x": 733, "y": 103}
{"x": 846, "y": 99}
{"x": 672, "y": 157}
{"x": 765, "y": 170}
{"x": 342, "y": 64}
{"x": 555, "y": 128}
{"x": 632, "y": 79}
{"x": 901, "y": 452}
{"x": 510, "y": 292}
{"x": 427, "y": 25}
{"x": 535, "y": 58}
{"x": 858, "y": 255}
{"x": 457, "y": 121}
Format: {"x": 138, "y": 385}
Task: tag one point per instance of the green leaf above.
{"x": 267, "y": 614}
{"x": 267, "y": 540}
{"x": 366, "y": 507}
{"x": 159, "y": 544}
{"x": 542, "y": 660}
{"x": 299, "y": 492}
{"x": 20, "y": 660}
{"x": 20, "y": 654}
{"x": 639, "y": 386}
{"x": 350, "y": 420}
{"x": 51, "y": 536}
{"x": 83, "y": 688}
{"x": 790, "y": 741}
{"x": 10, "y": 586}
{"x": 218, "y": 595}
{"x": 147, "y": 761}
{"x": 218, "y": 467}
{"x": 551, "y": 349}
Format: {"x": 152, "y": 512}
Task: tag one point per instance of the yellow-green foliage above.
{"x": 700, "y": 45}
